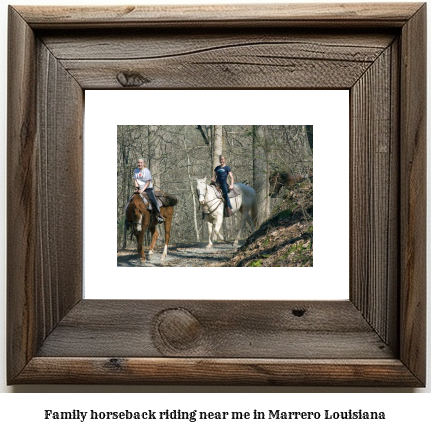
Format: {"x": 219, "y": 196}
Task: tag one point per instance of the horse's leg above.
{"x": 154, "y": 237}
{"x": 250, "y": 221}
{"x": 217, "y": 225}
{"x": 244, "y": 215}
{"x": 145, "y": 222}
{"x": 210, "y": 234}
{"x": 168, "y": 221}
{"x": 140, "y": 239}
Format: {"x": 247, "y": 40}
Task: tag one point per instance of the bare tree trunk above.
{"x": 192, "y": 191}
{"x": 218, "y": 144}
{"x": 309, "y": 130}
{"x": 260, "y": 174}
{"x": 204, "y": 136}
{"x": 154, "y": 152}
{"x": 122, "y": 151}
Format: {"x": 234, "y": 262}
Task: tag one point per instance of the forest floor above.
{"x": 284, "y": 240}
{"x": 181, "y": 255}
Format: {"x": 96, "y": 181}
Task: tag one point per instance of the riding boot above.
{"x": 228, "y": 212}
{"x": 155, "y": 213}
{"x": 160, "y": 218}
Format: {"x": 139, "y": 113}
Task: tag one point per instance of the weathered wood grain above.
{"x": 45, "y": 105}
{"x": 300, "y": 14}
{"x": 392, "y": 302}
{"x": 413, "y": 194}
{"x": 235, "y": 329}
{"x": 21, "y": 196}
{"x": 329, "y": 372}
{"x": 139, "y": 45}
{"x": 229, "y": 72}
{"x": 374, "y": 194}
{"x": 211, "y": 60}
{"x": 245, "y": 66}
{"x": 59, "y": 184}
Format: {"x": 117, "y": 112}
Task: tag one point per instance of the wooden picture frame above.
{"x": 376, "y": 338}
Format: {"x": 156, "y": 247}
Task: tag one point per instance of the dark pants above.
{"x": 153, "y": 199}
{"x": 225, "y": 189}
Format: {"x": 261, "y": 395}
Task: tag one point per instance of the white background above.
{"x": 328, "y": 279}
{"x": 26, "y": 410}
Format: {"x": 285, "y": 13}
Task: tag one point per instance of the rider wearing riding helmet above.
{"x": 222, "y": 172}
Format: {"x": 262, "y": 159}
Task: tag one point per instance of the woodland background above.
{"x": 177, "y": 155}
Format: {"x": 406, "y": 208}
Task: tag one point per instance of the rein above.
{"x": 210, "y": 212}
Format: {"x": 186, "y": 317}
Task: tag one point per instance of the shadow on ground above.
{"x": 181, "y": 255}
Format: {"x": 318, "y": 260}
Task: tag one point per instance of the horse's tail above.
{"x": 167, "y": 199}
{"x": 171, "y": 200}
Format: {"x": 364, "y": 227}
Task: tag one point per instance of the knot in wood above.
{"x": 115, "y": 363}
{"x": 131, "y": 79}
{"x": 298, "y": 312}
{"x": 178, "y": 329}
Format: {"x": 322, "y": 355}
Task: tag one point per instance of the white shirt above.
{"x": 142, "y": 177}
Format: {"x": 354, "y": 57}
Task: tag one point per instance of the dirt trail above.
{"x": 181, "y": 255}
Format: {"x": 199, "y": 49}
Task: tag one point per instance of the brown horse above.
{"x": 140, "y": 218}
{"x": 278, "y": 179}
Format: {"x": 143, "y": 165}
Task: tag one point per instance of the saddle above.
{"x": 163, "y": 199}
{"x": 236, "y": 191}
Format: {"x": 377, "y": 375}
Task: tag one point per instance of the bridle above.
{"x": 142, "y": 216}
{"x": 210, "y": 211}
{"x": 137, "y": 223}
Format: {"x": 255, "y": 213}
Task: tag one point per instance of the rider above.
{"x": 222, "y": 172}
{"x": 143, "y": 182}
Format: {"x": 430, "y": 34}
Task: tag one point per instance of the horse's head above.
{"x": 201, "y": 189}
{"x": 275, "y": 184}
{"x": 135, "y": 212}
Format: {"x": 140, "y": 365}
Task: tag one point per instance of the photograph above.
{"x": 215, "y": 195}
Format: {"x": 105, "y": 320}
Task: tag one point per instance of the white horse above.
{"x": 213, "y": 208}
